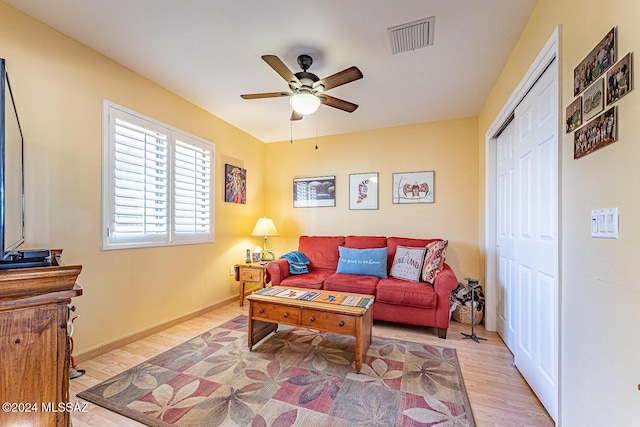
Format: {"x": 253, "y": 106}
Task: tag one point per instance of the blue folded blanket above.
{"x": 298, "y": 262}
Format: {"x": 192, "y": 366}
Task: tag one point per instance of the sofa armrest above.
{"x": 445, "y": 282}
{"x": 278, "y": 270}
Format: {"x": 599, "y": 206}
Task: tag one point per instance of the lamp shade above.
{"x": 264, "y": 227}
{"x": 304, "y": 103}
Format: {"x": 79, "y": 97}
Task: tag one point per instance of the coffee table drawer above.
{"x": 275, "y": 313}
{"x": 326, "y": 321}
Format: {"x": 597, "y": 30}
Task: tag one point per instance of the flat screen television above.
{"x": 12, "y": 218}
{"x": 11, "y": 171}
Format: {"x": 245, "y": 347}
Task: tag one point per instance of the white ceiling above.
{"x": 208, "y": 52}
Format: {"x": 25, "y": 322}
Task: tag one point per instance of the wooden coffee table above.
{"x": 266, "y": 312}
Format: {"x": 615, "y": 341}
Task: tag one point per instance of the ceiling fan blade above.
{"x": 279, "y": 67}
{"x": 340, "y": 104}
{"x": 265, "y": 95}
{"x": 338, "y": 79}
{"x": 295, "y": 115}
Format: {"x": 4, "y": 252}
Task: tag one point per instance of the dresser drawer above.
{"x": 251, "y": 275}
{"x": 330, "y": 322}
{"x": 275, "y": 313}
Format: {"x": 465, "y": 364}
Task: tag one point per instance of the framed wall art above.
{"x": 619, "y": 80}
{"x": 413, "y": 187}
{"x": 596, "y": 134}
{"x": 363, "y": 191}
{"x": 592, "y": 100}
{"x": 599, "y": 60}
{"x": 315, "y": 191}
{"x": 574, "y": 115}
{"x": 235, "y": 187}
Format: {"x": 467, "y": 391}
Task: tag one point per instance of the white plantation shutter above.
{"x": 141, "y": 197}
{"x": 157, "y": 183}
{"x": 192, "y": 188}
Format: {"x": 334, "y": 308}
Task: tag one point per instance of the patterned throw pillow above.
{"x": 434, "y": 260}
{"x": 407, "y": 263}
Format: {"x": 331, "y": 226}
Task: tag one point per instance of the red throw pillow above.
{"x": 434, "y": 260}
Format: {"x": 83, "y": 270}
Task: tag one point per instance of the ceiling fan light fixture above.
{"x": 304, "y": 103}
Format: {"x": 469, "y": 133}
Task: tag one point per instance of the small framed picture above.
{"x": 592, "y": 100}
{"x": 413, "y": 187}
{"x": 595, "y": 63}
{"x": 235, "y": 186}
{"x": 363, "y": 191}
{"x": 574, "y": 115}
{"x": 619, "y": 80}
{"x": 315, "y": 191}
{"x": 596, "y": 134}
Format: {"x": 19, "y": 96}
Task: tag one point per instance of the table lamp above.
{"x": 265, "y": 228}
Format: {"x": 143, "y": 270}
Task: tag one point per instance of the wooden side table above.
{"x": 250, "y": 274}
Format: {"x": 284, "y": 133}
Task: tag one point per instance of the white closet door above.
{"x": 506, "y": 234}
{"x": 527, "y": 238}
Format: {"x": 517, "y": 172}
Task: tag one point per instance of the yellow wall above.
{"x": 600, "y": 292}
{"x": 448, "y": 148}
{"x": 59, "y": 86}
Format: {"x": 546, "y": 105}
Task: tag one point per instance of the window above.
{"x": 157, "y": 183}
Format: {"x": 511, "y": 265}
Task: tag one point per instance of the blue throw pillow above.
{"x": 367, "y": 262}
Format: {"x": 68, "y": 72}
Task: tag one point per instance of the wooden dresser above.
{"x": 34, "y": 346}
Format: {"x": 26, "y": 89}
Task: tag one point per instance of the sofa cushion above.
{"x": 434, "y": 260}
{"x": 368, "y": 262}
{"x": 364, "y": 242}
{"x": 311, "y": 280}
{"x": 394, "y": 242}
{"x": 351, "y": 283}
{"x": 407, "y": 263}
{"x": 322, "y": 251}
{"x": 403, "y": 292}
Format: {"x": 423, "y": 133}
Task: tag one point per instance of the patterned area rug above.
{"x": 294, "y": 377}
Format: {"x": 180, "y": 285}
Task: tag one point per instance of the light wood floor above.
{"x": 499, "y": 395}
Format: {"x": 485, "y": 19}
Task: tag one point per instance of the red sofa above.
{"x": 396, "y": 300}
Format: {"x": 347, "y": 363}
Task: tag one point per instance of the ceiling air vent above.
{"x": 412, "y": 36}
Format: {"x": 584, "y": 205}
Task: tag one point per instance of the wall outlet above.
{"x": 232, "y": 270}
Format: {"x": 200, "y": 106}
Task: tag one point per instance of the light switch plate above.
{"x": 604, "y": 223}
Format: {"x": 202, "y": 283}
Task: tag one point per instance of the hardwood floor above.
{"x": 499, "y": 395}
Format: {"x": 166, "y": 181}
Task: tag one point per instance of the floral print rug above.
{"x": 294, "y": 377}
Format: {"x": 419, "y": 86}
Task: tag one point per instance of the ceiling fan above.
{"x": 307, "y": 90}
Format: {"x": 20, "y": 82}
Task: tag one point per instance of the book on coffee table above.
{"x": 318, "y": 296}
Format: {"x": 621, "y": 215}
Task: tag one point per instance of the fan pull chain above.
{"x": 317, "y": 114}
{"x": 291, "y": 131}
